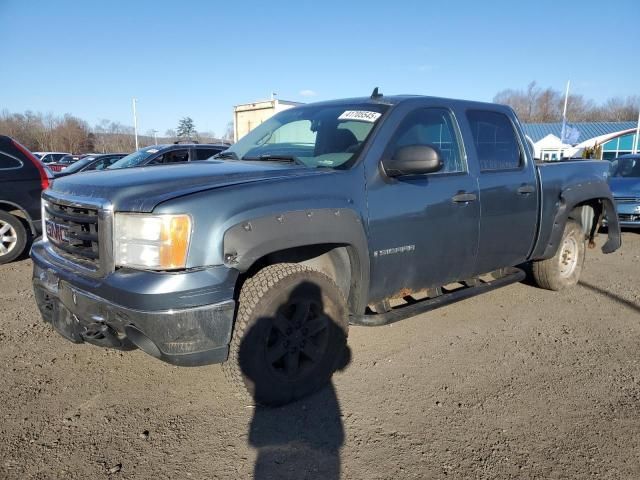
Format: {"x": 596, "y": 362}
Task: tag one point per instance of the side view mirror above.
{"x": 414, "y": 160}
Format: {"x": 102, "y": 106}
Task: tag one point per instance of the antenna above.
{"x": 375, "y": 94}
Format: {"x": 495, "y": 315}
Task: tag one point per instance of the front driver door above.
{"x": 423, "y": 228}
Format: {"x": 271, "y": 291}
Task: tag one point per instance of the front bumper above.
{"x": 183, "y": 334}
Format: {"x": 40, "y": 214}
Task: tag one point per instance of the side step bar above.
{"x": 513, "y": 275}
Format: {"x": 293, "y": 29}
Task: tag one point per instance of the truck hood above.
{"x": 141, "y": 189}
{"x": 625, "y": 187}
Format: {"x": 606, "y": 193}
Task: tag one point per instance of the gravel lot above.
{"x": 518, "y": 383}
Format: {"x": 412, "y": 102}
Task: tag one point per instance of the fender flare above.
{"x": 570, "y": 198}
{"x": 250, "y": 240}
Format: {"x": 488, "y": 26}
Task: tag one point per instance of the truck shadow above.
{"x": 601, "y": 291}
{"x": 301, "y": 439}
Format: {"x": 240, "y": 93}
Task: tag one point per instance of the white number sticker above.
{"x": 360, "y": 116}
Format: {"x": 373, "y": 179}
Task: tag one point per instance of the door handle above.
{"x": 526, "y": 190}
{"x": 464, "y": 197}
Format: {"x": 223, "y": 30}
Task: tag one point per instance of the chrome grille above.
{"x": 73, "y": 232}
{"x": 629, "y": 217}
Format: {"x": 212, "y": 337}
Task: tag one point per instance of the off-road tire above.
{"x": 15, "y": 248}
{"x": 564, "y": 268}
{"x": 268, "y": 295}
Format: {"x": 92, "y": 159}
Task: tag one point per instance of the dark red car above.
{"x": 64, "y": 162}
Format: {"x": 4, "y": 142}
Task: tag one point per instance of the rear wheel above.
{"x": 564, "y": 268}
{"x": 13, "y": 237}
{"x": 289, "y": 336}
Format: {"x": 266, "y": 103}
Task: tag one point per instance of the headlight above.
{"x": 156, "y": 242}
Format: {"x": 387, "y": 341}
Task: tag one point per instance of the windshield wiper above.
{"x": 275, "y": 157}
{"x": 226, "y": 154}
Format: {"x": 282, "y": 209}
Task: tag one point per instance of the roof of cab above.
{"x": 397, "y": 99}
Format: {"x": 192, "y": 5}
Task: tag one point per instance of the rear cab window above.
{"x": 495, "y": 141}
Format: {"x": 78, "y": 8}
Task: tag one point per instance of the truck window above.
{"x": 318, "y": 136}
{"x": 494, "y": 140}
{"x": 172, "y": 156}
{"x": 294, "y": 133}
{"x": 103, "y": 163}
{"x": 204, "y": 153}
{"x": 431, "y": 126}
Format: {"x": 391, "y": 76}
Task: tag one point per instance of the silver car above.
{"x": 624, "y": 181}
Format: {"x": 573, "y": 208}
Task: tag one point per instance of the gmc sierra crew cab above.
{"x": 360, "y": 211}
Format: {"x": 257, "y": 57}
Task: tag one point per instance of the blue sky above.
{"x": 199, "y": 58}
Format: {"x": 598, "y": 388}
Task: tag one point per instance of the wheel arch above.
{"x": 330, "y": 240}
{"x": 19, "y": 212}
{"x": 574, "y": 204}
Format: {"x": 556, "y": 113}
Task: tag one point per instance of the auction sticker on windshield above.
{"x": 360, "y": 115}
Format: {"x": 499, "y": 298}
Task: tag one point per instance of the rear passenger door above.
{"x": 508, "y": 191}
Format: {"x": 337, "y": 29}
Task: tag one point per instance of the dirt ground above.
{"x": 519, "y": 383}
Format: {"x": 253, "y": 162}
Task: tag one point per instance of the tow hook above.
{"x": 101, "y": 334}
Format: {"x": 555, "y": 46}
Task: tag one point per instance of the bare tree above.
{"x": 545, "y": 105}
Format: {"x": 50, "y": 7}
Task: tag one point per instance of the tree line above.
{"x": 535, "y": 104}
{"x": 67, "y": 133}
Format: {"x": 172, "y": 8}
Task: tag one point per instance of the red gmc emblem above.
{"x": 56, "y": 232}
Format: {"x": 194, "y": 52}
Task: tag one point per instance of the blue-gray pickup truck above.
{"x": 360, "y": 211}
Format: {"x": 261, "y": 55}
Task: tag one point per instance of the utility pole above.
{"x": 564, "y": 112}
{"x": 135, "y": 121}
{"x": 635, "y": 143}
{"x": 155, "y": 135}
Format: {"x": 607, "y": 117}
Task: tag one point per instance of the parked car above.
{"x": 90, "y": 163}
{"x": 624, "y": 180}
{"x": 360, "y": 211}
{"x": 49, "y": 157}
{"x": 172, "y": 153}
{"x": 22, "y": 180}
{"x": 64, "y": 162}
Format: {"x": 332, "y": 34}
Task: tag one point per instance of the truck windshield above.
{"x": 625, "y": 167}
{"x": 316, "y": 135}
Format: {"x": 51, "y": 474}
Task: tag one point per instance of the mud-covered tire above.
{"x": 289, "y": 335}
{"x": 13, "y": 237}
{"x": 564, "y": 268}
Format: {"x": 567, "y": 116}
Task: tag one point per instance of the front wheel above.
{"x": 289, "y": 336}
{"x": 564, "y": 268}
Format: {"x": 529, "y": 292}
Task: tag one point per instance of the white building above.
{"x": 616, "y": 138}
{"x": 248, "y": 116}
